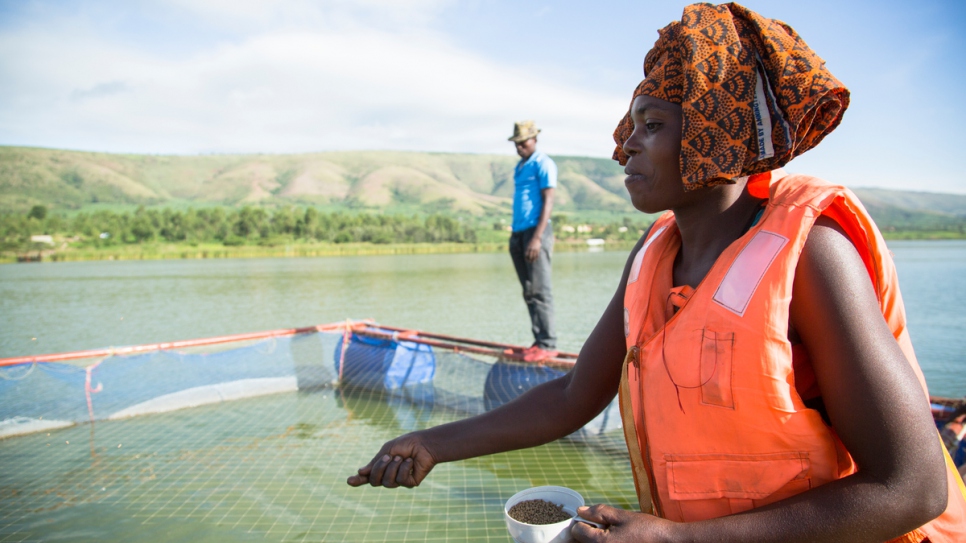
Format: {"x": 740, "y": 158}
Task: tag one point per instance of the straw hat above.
{"x": 524, "y": 130}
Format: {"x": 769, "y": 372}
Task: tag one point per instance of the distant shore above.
{"x": 176, "y": 251}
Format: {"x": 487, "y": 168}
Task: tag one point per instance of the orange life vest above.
{"x": 712, "y": 417}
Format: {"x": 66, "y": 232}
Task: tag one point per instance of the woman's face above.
{"x": 653, "y": 166}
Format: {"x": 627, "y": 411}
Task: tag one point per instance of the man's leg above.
{"x": 535, "y": 279}
{"x": 518, "y": 247}
{"x": 540, "y": 299}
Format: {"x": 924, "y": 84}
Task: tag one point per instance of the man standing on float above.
{"x": 531, "y": 243}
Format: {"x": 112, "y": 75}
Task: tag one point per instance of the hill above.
{"x": 384, "y": 181}
{"x": 895, "y": 210}
{"x": 388, "y": 182}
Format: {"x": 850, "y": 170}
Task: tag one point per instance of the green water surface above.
{"x": 273, "y": 468}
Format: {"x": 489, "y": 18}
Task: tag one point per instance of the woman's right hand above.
{"x": 404, "y": 461}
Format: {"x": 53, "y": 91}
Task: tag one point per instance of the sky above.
{"x": 291, "y": 76}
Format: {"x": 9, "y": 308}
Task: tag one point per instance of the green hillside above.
{"x": 367, "y": 180}
{"x": 908, "y": 211}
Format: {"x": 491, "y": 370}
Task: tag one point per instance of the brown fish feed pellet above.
{"x": 538, "y": 512}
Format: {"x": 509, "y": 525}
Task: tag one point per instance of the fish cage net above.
{"x": 254, "y": 439}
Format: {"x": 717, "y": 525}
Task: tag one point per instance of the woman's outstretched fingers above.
{"x": 379, "y": 470}
{"x": 405, "y": 476}
{"x": 404, "y": 461}
{"x": 389, "y": 476}
{"x": 362, "y": 476}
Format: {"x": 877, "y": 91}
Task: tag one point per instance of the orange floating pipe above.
{"x": 136, "y": 349}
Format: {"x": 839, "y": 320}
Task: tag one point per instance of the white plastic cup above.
{"x": 559, "y": 532}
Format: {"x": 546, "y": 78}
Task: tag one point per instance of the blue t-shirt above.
{"x": 530, "y": 177}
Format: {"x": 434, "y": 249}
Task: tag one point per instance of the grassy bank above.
{"x": 169, "y": 251}
{"x": 174, "y": 251}
{"x": 221, "y": 232}
{"x": 923, "y": 235}
{"x": 293, "y": 232}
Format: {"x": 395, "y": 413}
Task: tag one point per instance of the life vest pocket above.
{"x": 713, "y": 485}
{"x": 717, "y": 350}
{"x": 707, "y": 366}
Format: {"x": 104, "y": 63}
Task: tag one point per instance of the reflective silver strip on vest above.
{"x": 746, "y": 272}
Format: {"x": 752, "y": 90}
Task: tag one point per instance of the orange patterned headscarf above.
{"x": 752, "y": 94}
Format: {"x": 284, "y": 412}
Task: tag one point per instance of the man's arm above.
{"x": 533, "y": 248}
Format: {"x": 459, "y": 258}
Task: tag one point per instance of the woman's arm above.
{"x": 545, "y": 413}
{"x": 875, "y": 403}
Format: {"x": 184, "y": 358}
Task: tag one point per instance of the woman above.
{"x": 757, "y": 337}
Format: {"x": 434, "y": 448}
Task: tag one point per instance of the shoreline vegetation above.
{"x": 174, "y": 251}
{"x": 162, "y": 234}
{"x": 255, "y": 232}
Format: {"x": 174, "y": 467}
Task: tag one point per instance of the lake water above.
{"x": 55, "y": 307}
{"x": 272, "y": 467}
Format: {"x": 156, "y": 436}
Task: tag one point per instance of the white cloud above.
{"x": 325, "y": 83}
{"x": 189, "y": 76}
{"x": 99, "y": 90}
{"x": 304, "y": 13}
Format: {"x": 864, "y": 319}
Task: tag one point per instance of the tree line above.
{"x": 229, "y": 226}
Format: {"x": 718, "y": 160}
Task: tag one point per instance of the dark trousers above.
{"x": 535, "y": 280}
